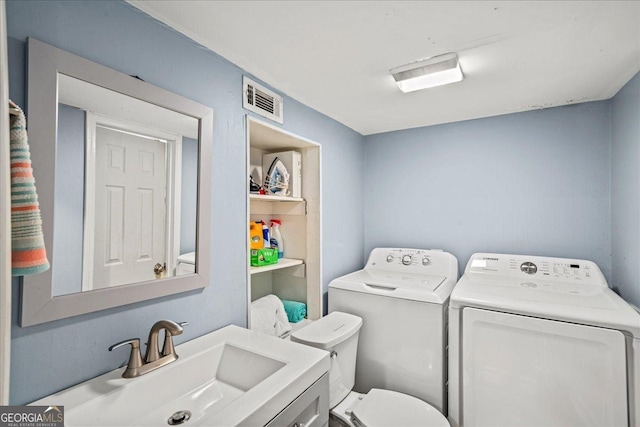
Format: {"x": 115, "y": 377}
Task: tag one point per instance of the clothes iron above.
{"x": 254, "y": 188}
{"x": 276, "y": 181}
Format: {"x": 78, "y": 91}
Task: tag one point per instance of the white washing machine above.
{"x": 401, "y": 296}
{"x": 538, "y": 341}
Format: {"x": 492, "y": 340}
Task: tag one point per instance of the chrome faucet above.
{"x": 153, "y": 358}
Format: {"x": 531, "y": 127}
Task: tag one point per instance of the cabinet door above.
{"x": 524, "y": 371}
{"x": 310, "y": 409}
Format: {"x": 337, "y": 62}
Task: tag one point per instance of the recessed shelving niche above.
{"x": 296, "y": 277}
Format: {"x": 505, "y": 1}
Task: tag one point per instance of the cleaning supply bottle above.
{"x": 276, "y": 237}
{"x": 265, "y": 235}
{"x": 255, "y": 235}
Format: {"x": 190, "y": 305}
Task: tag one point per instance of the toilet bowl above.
{"x": 338, "y": 333}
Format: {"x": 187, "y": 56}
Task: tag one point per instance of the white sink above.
{"x": 232, "y": 376}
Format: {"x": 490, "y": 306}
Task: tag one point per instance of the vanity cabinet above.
{"x": 297, "y": 276}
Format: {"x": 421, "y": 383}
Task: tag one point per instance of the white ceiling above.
{"x": 335, "y": 56}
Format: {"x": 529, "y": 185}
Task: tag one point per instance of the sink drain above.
{"x": 179, "y": 417}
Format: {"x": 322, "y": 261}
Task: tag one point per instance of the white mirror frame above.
{"x": 45, "y": 62}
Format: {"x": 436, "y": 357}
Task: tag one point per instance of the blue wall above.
{"x": 529, "y": 183}
{"x": 66, "y": 266}
{"x": 49, "y": 357}
{"x": 625, "y": 190}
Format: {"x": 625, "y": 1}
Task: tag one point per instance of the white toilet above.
{"x": 338, "y": 333}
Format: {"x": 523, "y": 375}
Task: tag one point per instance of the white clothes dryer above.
{"x": 537, "y": 341}
{"x": 401, "y": 296}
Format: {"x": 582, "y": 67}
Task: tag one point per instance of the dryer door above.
{"x": 524, "y": 371}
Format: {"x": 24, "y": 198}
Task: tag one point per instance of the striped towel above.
{"x": 28, "y": 254}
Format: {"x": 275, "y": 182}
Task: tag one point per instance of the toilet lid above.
{"x": 390, "y": 408}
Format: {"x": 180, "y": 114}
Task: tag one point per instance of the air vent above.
{"x": 261, "y": 100}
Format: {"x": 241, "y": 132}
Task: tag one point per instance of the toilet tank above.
{"x": 338, "y": 334}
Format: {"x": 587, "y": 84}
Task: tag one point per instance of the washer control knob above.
{"x": 389, "y": 258}
{"x": 426, "y": 261}
{"x": 528, "y": 267}
{"x": 406, "y": 259}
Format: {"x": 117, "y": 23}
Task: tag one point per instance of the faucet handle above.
{"x": 133, "y": 341}
{"x": 167, "y": 348}
{"x": 135, "y": 358}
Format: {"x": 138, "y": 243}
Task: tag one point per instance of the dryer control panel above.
{"x": 417, "y": 261}
{"x": 544, "y": 268}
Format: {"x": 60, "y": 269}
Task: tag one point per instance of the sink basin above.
{"x": 232, "y": 364}
{"x": 232, "y": 376}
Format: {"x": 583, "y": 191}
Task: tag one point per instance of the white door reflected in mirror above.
{"x": 130, "y": 197}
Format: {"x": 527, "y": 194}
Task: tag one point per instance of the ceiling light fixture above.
{"x": 435, "y": 71}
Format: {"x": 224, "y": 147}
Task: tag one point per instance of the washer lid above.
{"x": 390, "y": 408}
{"x": 328, "y": 331}
{"x": 416, "y": 287}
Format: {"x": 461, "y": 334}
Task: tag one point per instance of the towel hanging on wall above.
{"x": 28, "y": 254}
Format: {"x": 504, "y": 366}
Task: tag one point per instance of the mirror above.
{"x": 123, "y": 171}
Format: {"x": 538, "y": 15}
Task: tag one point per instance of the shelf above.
{"x": 282, "y": 263}
{"x": 267, "y": 198}
{"x": 277, "y": 205}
